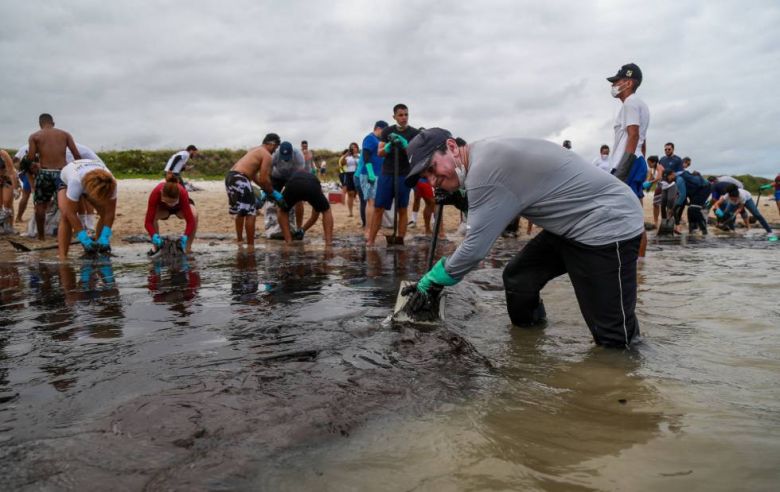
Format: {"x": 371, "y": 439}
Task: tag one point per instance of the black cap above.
{"x": 420, "y": 150}
{"x": 380, "y": 124}
{"x": 628, "y": 71}
{"x": 286, "y": 151}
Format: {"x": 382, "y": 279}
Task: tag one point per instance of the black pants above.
{"x": 604, "y": 280}
{"x": 696, "y": 219}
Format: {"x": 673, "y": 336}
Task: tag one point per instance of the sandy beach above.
{"x": 211, "y": 203}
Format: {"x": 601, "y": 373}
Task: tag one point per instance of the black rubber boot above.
{"x": 518, "y": 305}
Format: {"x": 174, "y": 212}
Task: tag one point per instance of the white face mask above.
{"x": 616, "y": 90}
{"x": 460, "y": 171}
{"x": 604, "y": 157}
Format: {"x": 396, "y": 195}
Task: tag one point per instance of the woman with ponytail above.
{"x": 171, "y": 198}
{"x": 92, "y": 181}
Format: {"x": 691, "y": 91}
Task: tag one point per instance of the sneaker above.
{"x": 772, "y": 237}
{"x": 412, "y": 224}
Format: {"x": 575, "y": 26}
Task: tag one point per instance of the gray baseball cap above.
{"x": 420, "y": 150}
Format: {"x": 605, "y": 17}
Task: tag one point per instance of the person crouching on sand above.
{"x": 92, "y": 181}
{"x": 171, "y": 198}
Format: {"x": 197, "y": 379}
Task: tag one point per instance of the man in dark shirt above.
{"x": 670, "y": 160}
{"x": 394, "y": 139}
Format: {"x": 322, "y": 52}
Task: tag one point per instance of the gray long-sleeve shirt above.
{"x": 550, "y": 185}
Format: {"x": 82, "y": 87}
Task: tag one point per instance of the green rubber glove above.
{"x": 437, "y": 275}
{"x": 371, "y": 175}
{"x": 767, "y": 186}
{"x": 399, "y": 140}
{"x": 388, "y": 147}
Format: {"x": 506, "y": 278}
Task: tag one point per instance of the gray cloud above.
{"x": 221, "y": 74}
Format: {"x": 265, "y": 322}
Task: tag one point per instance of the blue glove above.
{"x": 157, "y": 240}
{"x": 436, "y": 277}
{"x": 399, "y": 140}
{"x": 85, "y": 240}
{"x": 278, "y": 199}
{"x": 105, "y": 237}
{"x": 719, "y": 213}
{"x": 260, "y": 197}
{"x": 183, "y": 242}
{"x": 646, "y": 185}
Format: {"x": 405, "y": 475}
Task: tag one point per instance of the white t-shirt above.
{"x": 73, "y": 174}
{"x": 86, "y": 153}
{"x": 352, "y": 163}
{"x": 177, "y": 162}
{"x": 603, "y": 163}
{"x": 744, "y": 196}
{"x": 21, "y": 152}
{"x": 633, "y": 111}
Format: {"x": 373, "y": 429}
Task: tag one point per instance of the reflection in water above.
{"x": 174, "y": 283}
{"x": 72, "y": 307}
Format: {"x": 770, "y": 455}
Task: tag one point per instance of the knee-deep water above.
{"x": 278, "y": 371}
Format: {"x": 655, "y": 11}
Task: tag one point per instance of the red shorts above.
{"x": 424, "y": 190}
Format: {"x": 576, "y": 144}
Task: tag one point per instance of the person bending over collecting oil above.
{"x": 592, "y": 226}
{"x": 734, "y": 203}
{"x": 93, "y": 181}
{"x": 305, "y": 187}
{"x": 694, "y": 189}
{"x": 170, "y": 198}
{"x": 254, "y": 166}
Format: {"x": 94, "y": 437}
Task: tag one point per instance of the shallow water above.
{"x": 276, "y": 371}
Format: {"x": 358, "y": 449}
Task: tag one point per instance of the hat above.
{"x": 380, "y": 124}
{"x": 286, "y": 151}
{"x": 628, "y": 71}
{"x": 420, "y": 150}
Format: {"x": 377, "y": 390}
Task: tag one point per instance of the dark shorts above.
{"x": 241, "y": 197}
{"x": 278, "y": 183}
{"x": 385, "y": 192}
{"x": 349, "y": 181}
{"x": 305, "y": 187}
{"x": 47, "y": 183}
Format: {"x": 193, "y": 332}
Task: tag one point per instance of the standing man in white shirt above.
{"x": 631, "y": 123}
{"x": 603, "y": 161}
{"x": 178, "y": 162}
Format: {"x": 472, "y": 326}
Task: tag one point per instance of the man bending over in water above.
{"x": 49, "y": 144}
{"x": 254, "y": 166}
{"x": 305, "y": 187}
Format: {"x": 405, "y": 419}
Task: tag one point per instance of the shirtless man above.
{"x": 49, "y": 144}
{"x": 308, "y": 157}
{"x": 255, "y": 166}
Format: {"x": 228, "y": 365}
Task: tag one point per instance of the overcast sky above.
{"x": 138, "y": 74}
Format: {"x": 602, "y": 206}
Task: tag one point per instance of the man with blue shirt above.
{"x": 370, "y": 166}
